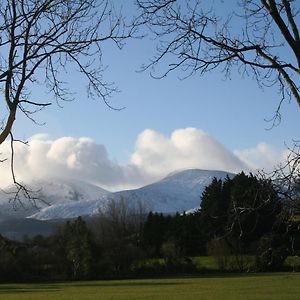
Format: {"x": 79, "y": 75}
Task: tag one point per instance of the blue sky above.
{"x": 232, "y": 112}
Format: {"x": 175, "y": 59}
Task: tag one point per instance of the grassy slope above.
{"x": 243, "y": 287}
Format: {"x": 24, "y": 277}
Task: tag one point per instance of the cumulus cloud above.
{"x": 67, "y": 157}
{"x": 186, "y": 148}
{"x": 155, "y": 156}
{"x": 262, "y": 157}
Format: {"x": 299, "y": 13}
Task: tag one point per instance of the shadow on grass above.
{"x": 136, "y": 282}
{"x": 40, "y": 288}
{"x": 36, "y": 288}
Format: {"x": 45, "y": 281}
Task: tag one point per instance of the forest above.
{"x": 244, "y": 223}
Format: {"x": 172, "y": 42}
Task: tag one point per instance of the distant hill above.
{"x": 18, "y": 229}
{"x": 51, "y": 192}
{"x": 178, "y": 192}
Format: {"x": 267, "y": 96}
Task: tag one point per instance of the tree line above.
{"x": 240, "y": 219}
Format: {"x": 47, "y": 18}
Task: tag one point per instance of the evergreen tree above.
{"x": 241, "y": 210}
{"x": 254, "y": 208}
{"x": 214, "y": 206}
{"x": 154, "y": 232}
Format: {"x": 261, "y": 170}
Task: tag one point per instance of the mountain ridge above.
{"x": 179, "y": 191}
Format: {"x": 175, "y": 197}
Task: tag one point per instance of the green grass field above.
{"x": 210, "y": 262}
{"x": 283, "y": 286}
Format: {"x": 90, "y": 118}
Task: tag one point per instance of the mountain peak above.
{"x": 192, "y": 173}
{"x": 179, "y": 191}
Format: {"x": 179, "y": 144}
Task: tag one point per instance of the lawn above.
{"x": 210, "y": 262}
{"x": 283, "y": 286}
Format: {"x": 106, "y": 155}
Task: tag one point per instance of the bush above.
{"x": 272, "y": 253}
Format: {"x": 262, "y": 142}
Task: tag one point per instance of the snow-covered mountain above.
{"x": 49, "y": 193}
{"x": 178, "y": 192}
{"x": 72, "y": 209}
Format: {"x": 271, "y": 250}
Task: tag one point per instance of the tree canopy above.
{"x": 244, "y": 207}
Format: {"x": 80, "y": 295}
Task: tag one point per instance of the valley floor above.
{"x": 275, "y": 286}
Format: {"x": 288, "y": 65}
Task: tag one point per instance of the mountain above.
{"x": 69, "y": 210}
{"x": 179, "y": 191}
{"x": 50, "y": 193}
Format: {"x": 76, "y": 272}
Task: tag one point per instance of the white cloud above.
{"x": 186, "y": 148}
{"x": 67, "y": 157}
{"x": 263, "y": 156}
{"x": 155, "y": 156}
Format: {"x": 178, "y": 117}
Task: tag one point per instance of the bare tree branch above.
{"x": 191, "y": 38}
{"x": 41, "y": 40}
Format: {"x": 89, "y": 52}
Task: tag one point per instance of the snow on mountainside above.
{"x": 178, "y": 192}
{"x": 71, "y": 209}
{"x": 52, "y": 193}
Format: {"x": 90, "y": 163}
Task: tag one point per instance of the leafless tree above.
{"x": 260, "y": 39}
{"x": 41, "y": 41}
{"x": 286, "y": 179}
{"x": 125, "y": 216}
{"x": 118, "y": 228}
